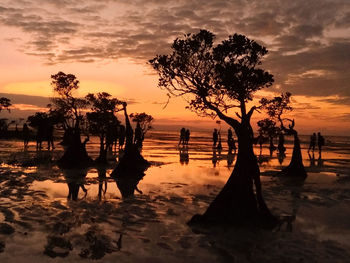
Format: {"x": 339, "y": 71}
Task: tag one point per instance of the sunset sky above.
{"x": 107, "y": 43}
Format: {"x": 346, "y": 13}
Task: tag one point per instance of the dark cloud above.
{"x": 38, "y": 101}
{"x": 337, "y": 101}
{"x": 304, "y": 58}
{"x": 344, "y": 117}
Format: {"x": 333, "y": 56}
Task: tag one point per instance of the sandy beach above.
{"x": 39, "y": 224}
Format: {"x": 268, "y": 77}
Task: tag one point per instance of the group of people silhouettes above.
{"x": 230, "y": 141}
{"x": 319, "y": 139}
{"x": 184, "y": 136}
{"x": 44, "y": 133}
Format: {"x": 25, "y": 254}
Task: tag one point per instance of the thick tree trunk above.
{"x": 238, "y": 203}
{"x": 296, "y": 167}
{"x": 75, "y": 155}
{"x": 132, "y": 164}
{"x": 102, "y": 158}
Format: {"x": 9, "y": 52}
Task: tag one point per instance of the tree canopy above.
{"x": 65, "y": 104}
{"x": 145, "y": 120}
{"x": 5, "y": 103}
{"x": 214, "y": 78}
{"x": 102, "y": 115}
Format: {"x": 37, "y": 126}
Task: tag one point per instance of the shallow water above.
{"x": 181, "y": 182}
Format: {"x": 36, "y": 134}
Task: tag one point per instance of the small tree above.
{"x": 5, "y": 103}
{"x": 145, "y": 122}
{"x": 268, "y": 129}
{"x": 276, "y": 107}
{"x": 101, "y": 119}
{"x": 65, "y": 103}
{"x": 215, "y": 79}
{"x": 69, "y": 109}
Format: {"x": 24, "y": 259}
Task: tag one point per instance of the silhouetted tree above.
{"x": 131, "y": 165}
{"x": 102, "y": 119}
{"x": 268, "y": 129}
{"x": 276, "y": 107}
{"x": 5, "y": 103}
{"x": 69, "y": 108}
{"x": 39, "y": 121}
{"x": 145, "y": 123}
{"x": 215, "y": 79}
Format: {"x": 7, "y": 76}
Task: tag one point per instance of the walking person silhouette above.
{"x": 312, "y": 142}
{"x": 320, "y": 143}
{"x": 215, "y": 137}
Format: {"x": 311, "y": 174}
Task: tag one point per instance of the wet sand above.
{"x": 39, "y": 224}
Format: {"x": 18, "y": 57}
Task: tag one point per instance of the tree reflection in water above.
{"x": 129, "y": 172}
{"x": 75, "y": 179}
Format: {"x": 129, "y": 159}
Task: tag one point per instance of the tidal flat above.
{"x": 38, "y": 223}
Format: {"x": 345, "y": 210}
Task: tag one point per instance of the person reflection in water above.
{"x": 102, "y": 182}
{"x": 312, "y": 159}
{"x": 184, "y": 157}
{"x": 214, "y": 159}
{"x": 230, "y": 159}
{"x": 75, "y": 179}
{"x": 320, "y": 162}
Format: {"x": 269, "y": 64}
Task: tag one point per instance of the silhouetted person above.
{"x": 231, "y": 145}
{"x": 260, "y": 141}
{"x": 312, "y": 142}
{"x": 229, "y": 134}
{"x": 121, "y": 136}
{"x": 49, "y": 136}
{"x": 110, "y": 137}
{"x": 280, "y": 147}
{"x": 182, "y": 136}
{"x": 25, "y": 132}
{"x": 138, "y": 135}
{"x": 102, "y": 181}
{"x": 219, "y": 147}
{"x": 187, "y": 136}
{"x": 215, "y": 137}
{"x": 320, "y": 143}
{"x": 40, "y": 135}
{"x": 231, "y": 142}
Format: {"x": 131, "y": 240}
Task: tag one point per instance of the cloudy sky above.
{"x": 107, "y": 43}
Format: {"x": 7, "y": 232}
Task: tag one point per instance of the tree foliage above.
{"x": 102, "y": 115}
{"x": 277, "y": 106}
{"x": 38, "y": 119}
{"x": 145, "y": 120}
{"x": 268, "y": 128}
{"x": 5, "y": 103}
{"x": 214, "y": 78}
{"x": 65, "y": 104}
